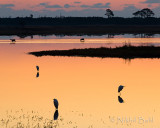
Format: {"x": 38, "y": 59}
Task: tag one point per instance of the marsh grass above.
{"x": 42, "y": 119}
{"x": 127, "y": 51}
{"x": 32, "y": 119}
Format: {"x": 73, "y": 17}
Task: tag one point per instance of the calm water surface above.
{"x": 86, "y": 89}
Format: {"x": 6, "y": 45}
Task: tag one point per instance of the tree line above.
{"x": 141, "y": 17}
{"x": 144, "y": 13}
{"x": 53, "y": 21}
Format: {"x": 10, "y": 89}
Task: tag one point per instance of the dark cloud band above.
{"x": 98, "y": 5}
{"x": 152, "y": 1}
{"x": 6, "y": 5}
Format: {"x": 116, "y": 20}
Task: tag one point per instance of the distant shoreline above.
{"x": 79, "y": 29}
{"x": 125, "y": 52}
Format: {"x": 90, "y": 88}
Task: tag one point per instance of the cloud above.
{"x": 46, "y": 5}
{"x": 43, "y": 4}
{"x": 128, "y": 10}
{"x": 53, "y": 6}
{"x": 129, "y": 5}
{"x": 68, "y": 6}
{"x": 85, "y": 6}
{"x": 7, "y": 12}
{"x": 77, "y": 2}
{"x": 98, "y": 5}
{"x": 151, "y": 1}
{"x": 6, "y": 5}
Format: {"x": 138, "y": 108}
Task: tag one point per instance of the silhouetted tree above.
{"x": 109, "y": 13}
{"x": 31, "y": 16}
{"x": 137, "y": 14}
{"x": 146, "y": 12}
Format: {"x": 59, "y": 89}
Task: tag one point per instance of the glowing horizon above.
{"x": 114, "y": 5}
{"x": 81, "y": 6}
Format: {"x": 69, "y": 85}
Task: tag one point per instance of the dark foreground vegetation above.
{"x": 71, "y": 21}
{"x": 78, "y": 25}
{"x": 126, "y": 52}
{"x": 142, "y": 22}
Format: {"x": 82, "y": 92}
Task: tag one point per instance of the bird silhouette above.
{"x": 55, "y": 101}
{"x": 120, "y": 88}
{"x": 37, "y": 68}
{"x": 82, "y": 39}
{"x": 13, "y": 41}
{"x": 56, "y": 114}
{"x": 120, "y": 99}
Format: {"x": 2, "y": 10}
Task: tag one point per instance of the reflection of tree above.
{"x": 22, "y": 36}
{"x": 149, "y": 35}
{"x": 31, "y": 36}
{"x": 144, "y": 35}
{"x": 110, "y": 36}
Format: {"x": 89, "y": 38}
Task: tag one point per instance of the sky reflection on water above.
{"x": 86, "y": 89}
{"x": 149, "y": 35}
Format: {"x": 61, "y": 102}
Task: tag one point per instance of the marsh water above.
{"x": 86, "y": 88}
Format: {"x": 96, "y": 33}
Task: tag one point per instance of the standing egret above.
{"x": 120, "y": 88}
{"x": 37, "y": 68}
{"x": 55, "y": 101}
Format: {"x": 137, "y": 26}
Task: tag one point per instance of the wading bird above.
{"x": 13, "y": 40}
{"x": 120, "y": 88}
{"x": 82, "y": 39}
{"x": 55, "y": 101}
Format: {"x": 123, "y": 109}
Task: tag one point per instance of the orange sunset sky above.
{"x": 74, "y": 7}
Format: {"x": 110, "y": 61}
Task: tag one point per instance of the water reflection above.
{"x": 56, "y": 114}
{"x": 37, "y": 75}
{"x": 120, "y": 99}
{"x": 110, "y": 35}
{"x": 120, "y": 88}
{"x": 74, "y": 36}
{"x": 144, "y": 35}
{"x": 77, "y": 84}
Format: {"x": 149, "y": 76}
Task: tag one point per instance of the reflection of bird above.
{"x": 120, "y": 99}
{"x": 56, "y": 115}
{"x": 120, "y": 88}
{"x": 37, "y": 74}
{"x": 37, "y": 68}
{"x": 55, "y": 101}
